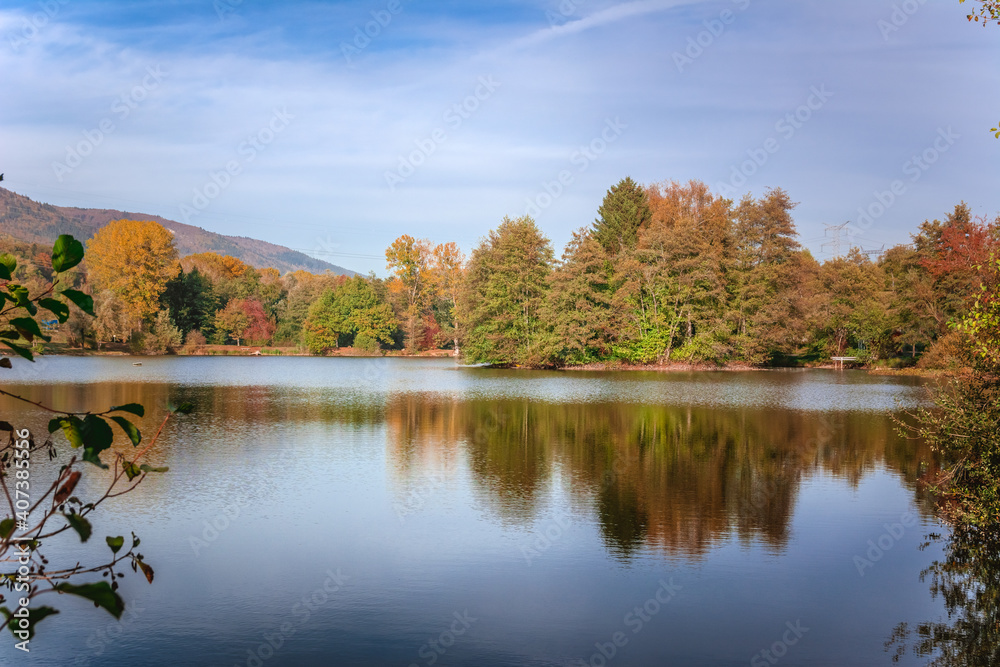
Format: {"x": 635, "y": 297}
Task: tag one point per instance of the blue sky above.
{"x": 287, "y": 122}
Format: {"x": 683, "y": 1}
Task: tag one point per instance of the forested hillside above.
{"x": 22, "y": 219}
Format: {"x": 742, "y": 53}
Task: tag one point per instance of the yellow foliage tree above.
{"x": 448, "y": 273}
{"x": 215, "y": 266}
{"x": 409, "y": 260}
{"x": 133, "y": 259}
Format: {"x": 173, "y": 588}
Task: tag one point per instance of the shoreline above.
{"x": 674, "y": 367}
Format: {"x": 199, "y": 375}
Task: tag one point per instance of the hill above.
{"x": 24, "y": 219}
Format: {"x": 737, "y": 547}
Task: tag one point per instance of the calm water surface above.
{"x": 481, "y": 517}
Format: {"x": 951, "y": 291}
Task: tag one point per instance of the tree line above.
{"x": 666, "y": 273}
{"x": 673, "y": 273}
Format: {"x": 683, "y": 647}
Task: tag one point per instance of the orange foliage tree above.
{"x": 134, "y": 260}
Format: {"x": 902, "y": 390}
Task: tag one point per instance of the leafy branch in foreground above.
{"x": 27, "y": 573}
{"x": 963, "y": 424}
{"x": 988, "y": 10}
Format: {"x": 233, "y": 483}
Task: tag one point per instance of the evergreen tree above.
{"x": 577, "y": 310}
{"x": 505, "y": 289}
{"x": 624, "y": 211}
{"x": 191, "y": 302}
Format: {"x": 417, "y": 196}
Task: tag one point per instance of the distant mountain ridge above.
{"x": 24, "y": 219}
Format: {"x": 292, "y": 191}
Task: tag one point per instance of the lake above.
{"x": 337, "y": 511}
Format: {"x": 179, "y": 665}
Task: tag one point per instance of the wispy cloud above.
{"x": 323, "y": 177}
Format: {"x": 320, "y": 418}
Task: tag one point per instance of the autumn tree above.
{"x": 762, "y": 281}
{"x": 114, "y": 322}
{"x": 410, "y": 261}
{"x": 134, "y": 260}
{"x": 260, "y": 325}
{"x": 669, "y": 292}
{"x": 622, "y": 214}
{"x": 447, "y": 272}
{"x": 505, "y": 288}
{"x": 231, "y": 321}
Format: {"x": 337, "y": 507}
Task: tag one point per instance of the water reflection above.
{"x": 753, "y": 491}
{"x": 968, "y": 581}
{"x": 677, "y": 478}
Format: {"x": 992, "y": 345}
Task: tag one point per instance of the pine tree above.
{"x": 624, "y": 211}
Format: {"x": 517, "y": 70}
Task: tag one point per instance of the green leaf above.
{"x": 83, "y": 301}
{"x": 60, "y": 309}
{"x": 55, "y": 424}
{"x": 7, "y": 266}
{"x": 66, "y": 253}
{"x": 21, "y": 298}
{"x": 130, "y": 430}
{"x": 24, "y": 352}
{"x": 72, "y": 428}
{"x": 115, "y": 543}
{"x": 97, "y": 436}
{"x": 99, "y": 593}
{"x": 5, "y": 363}
{"x": 80, "y": 525}
{"x": 27, "y": 328}
{"x": 182, "y": 409}
{"x": 35, "y": 615}
{"x": 134, "y": 408}
{"x": 131, "y": 470}
{"x": 7, "y": 528}
{"x": 148, "y": 468}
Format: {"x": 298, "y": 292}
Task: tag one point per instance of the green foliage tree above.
{"x": 851, "y": 304}
{"x": 163, "y": 335}
{"x": 302, "y": 289}
{"x": 356, "y": 308}
{"x": 506, "y": 287}
{"x": 577, "y": 308}
{"x": 190, "y": 299}
{"x": 624, "y": 211}
{"x": 232, "y": 321}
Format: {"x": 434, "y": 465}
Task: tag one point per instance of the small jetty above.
{"x": 840, "y": 361}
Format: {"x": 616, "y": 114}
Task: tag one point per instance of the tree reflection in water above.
{"x": 676, "y": 479}
{"x": 968, "y": 582}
